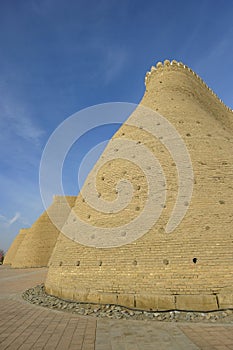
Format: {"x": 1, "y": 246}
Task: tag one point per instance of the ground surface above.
{"x": 25, "y": 326}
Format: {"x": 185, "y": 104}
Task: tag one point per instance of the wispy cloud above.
{"x": 8, "y": 222}
{"x": 115, "y": 61}
{"x": 17, "y": 121}
{"x": 15, "y": 218}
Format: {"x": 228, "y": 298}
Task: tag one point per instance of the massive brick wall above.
{"x": 14, "y": 246}
{"x": 158, "y": 271}
{"x": 37, "y": 246}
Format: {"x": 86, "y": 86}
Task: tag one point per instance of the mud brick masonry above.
{"x": 190, "y": 268}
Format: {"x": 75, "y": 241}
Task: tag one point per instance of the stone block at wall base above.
{"x": 166, "y": 302}
{"x": 126, "y": 300}
{"x": 155, "y": 302}
{"x": 108, "y": 298}
{"x": 196, "y": 302}
{"x": 147, "y": 302}
{"x": 225, "y": 301}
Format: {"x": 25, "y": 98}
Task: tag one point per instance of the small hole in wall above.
{"x": 207, "y": 228}
{"x": 160, "y": 82}
{"x": 221, "y": 202}
{"x": 166, "y": 262}
{"x": 89, "y": 216}
{"x": 188, "y": 134}
{"x": 77, "y": 263}
{"x": 135, "y": 262}
{"x": 102, "y": 178}
{"x": 60, "y": 263}
{"x": 83, "y": 200}
{"x": 123, "y": 134}
{"x": 194, "y": 260}
{"x": 138, "y": 142}
{"x": 137, "y": 208}
{"x": 100, "y": 263}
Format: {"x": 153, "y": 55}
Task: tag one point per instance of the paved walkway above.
{"x": 24, "y": 326}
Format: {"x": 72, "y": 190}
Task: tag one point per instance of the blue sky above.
{"x": 58, "y": 57}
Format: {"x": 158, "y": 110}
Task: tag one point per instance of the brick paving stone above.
{"x": 210, "y": 337}
{"x": 28, "y": 327}
{"x": 140, "y": 335}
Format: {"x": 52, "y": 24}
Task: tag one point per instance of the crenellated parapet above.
{"x": 175, "y": 66}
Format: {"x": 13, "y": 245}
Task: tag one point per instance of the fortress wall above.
{"x": 37, "y": 247}
{"x": 157, "y": 271}
{"x": 14, "y": 246}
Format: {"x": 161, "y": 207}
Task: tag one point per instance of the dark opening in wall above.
{"x": 195, "y": 260}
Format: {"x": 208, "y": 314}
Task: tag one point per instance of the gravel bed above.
{"x": 38, "y": 296}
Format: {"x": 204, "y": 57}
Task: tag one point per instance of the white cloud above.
{"x": 9, "y": 222}
{"x": 15, "y": 119}
{"x": 20, "y": 123}
{"x": 115, "y": 61}
{"x": 15, "y": 218}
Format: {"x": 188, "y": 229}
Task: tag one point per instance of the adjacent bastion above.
{"x": 15, "y": 246}
{"x": 38, "y": 243}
